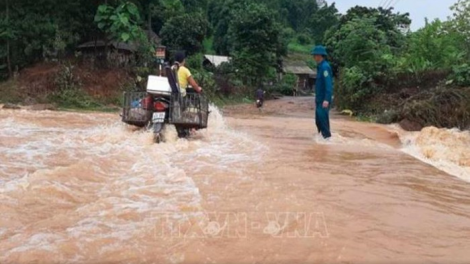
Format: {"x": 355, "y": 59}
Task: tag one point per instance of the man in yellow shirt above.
{"x": 184, "y": 75}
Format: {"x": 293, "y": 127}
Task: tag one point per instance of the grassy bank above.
{"x": 81, "y": 101}
{"x": 9, "y": 92}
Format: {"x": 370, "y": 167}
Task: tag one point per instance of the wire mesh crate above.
{"x": 191, "y": 111}
{"x": 135, "y": 110}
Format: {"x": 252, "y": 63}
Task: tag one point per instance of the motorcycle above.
{"x": 259, "y": 103}
{"x": 162, "y": 104}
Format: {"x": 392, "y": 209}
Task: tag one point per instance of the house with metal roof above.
{"x": 215, "y": 60}
{"x": 306, "y": 75}
{"x": 120, "y": 53}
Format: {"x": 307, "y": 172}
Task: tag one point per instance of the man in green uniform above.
{"x": 323, "y": 91}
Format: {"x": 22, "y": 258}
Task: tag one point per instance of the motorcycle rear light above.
{"x": 159, "y": 106}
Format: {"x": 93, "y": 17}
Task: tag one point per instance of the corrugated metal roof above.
{"x": 298, "y": 69}
{"x": 117, "y": 45}
{"x": 131, "y": 46}
{"x": 217, "y": 60}
{"x": 153, "y": 36}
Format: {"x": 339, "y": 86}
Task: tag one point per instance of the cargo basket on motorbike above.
{"x": 136, "y": 110}
{"x": 191, "y": 111}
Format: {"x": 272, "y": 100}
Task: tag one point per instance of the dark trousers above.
{"x": 322, "y": 120}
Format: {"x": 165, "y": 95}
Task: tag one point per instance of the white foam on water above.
{"x": 337, "y": 139}
{"x": 228, "y": 147}
{"x": 445, "y": 149}
{"x": 109, "y": 179}
{"x": 40, "y": 241}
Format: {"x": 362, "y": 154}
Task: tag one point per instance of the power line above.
{"x": 387, "y": 3}
{"x": 394, "y": 3}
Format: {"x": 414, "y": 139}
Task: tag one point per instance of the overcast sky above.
{"x": 418, "y": 9}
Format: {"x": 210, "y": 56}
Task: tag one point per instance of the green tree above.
{"x": 299, "y": 12}
{"x": 385, "y": 19}
{"x": 195, "y": 6}
{"x": 171, "y": 8}
{"x": 6, "y": 34}
{"x": 256, "y": 38}
{"x": 365, "y": 55}
{"x": 148, "y": 9}
{"x": 460, "y": 22}
{"x": 432, "y": 47}
{"x": 185, "y": 32}
{"x": 362, "y": 44}
{"x": 222, "y": 13}
{"x": 319, "y": 22}
{"x": 121, "y": 23}
{"x": 40, "y": 28}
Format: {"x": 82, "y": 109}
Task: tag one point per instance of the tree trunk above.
{"x": 10, "y": 73}
{"x": 106, "y": 43}
{"x": 149, "y": 22}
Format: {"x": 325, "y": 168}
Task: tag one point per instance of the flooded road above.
{"x": 253, "y": 188}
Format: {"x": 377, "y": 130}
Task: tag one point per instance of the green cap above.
{"x": 319, "y": 50}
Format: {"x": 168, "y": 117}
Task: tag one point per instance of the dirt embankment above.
{"x": 420, "y": 100}
{"x": 36, "y": 83}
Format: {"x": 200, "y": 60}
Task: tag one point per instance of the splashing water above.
{"x": 446, "y": 149}
{"x": 338, "y": 139}
{"x": 85, "y": 183}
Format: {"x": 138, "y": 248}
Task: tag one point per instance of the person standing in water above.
{"x": 323, "y": 91}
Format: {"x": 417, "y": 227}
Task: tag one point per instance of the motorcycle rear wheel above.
{"x": 157, "y": 133}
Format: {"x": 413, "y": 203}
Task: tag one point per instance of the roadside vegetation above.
{"x": 257, "y": 35}
{"x": 416, "y": 78}
{"x": 383, "y": 71}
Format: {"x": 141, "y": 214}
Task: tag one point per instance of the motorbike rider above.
{"x": 184, "y": 76}
{"x": 260, "y": 97}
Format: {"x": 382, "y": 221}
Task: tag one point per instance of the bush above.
{"x": 388, "y": 117}
{"x": 206, "y": 81}
{"x": 10, "y": 93}
{"x": 141, "y": 77}
{"x": 304, "y": 39}
{"x": 297, "y": 48}
{"x": 354, "y": 86}
{"x": 281, "y": 88}
{"x": 440, "y": 107}
{"x": 461, "y": 75}
{"x": 185, "y": 32}
{"x": 65, "y": 78}
{"x": 228, "y": 80}
{"x": 74, "y": 98}
{"x": 285, "y": 86}
{"x": 195, "y": 61}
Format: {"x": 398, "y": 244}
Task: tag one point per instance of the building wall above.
{"x": 120, "y": 58}
{"x": 303, "y": 81}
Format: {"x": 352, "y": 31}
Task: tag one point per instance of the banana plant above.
{"x": 121, "y": 23}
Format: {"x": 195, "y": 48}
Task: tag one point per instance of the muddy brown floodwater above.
{"x": 253, "y": 188}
